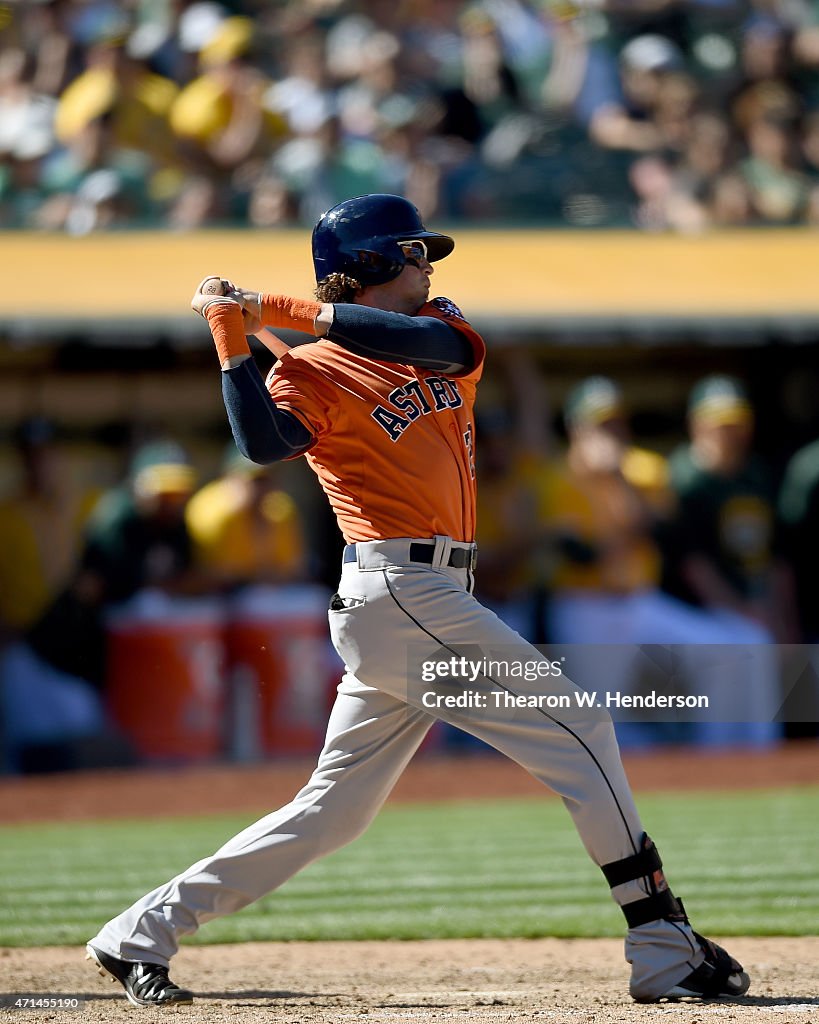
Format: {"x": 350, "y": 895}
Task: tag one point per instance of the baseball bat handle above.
{"x": 272, "y": 342}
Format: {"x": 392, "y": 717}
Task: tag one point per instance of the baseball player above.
{"x": 381, "y": 405}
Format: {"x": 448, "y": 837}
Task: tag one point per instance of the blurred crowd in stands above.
{"x": 665, "y": 114}
{"x": 584, "y": 539}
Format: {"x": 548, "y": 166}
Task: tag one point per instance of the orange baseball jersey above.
{"x": 394, "y": 444}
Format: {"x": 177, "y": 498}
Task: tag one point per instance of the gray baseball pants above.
{"x": 392, "y": 618}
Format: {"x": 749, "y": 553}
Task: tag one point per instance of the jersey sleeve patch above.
{"x": 447, "y": 307}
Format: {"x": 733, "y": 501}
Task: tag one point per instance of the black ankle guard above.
{"x": 646, "y": 864}
{"x": 661, "y": 905}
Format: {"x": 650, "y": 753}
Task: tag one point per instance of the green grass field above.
{"x": 745, "y": 863}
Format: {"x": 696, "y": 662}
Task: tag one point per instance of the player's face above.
{"x": 600, "y": 447}
{"x": 165, "y": 507}
{"x": 410, "y": 290}
{"x": 725, "y": 445}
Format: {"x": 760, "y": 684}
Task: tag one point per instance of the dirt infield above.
{"x": 486, "y": 981}
{"x": 482, "y": 980}
{"x": 247, "y": 789}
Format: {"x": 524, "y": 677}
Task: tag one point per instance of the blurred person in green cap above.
{"x": 798, "y": 511}
{"x": 135, "y": 540}
{"x": 798, "y": 541}
{"x": 721, "y": 552}
{"x": 611, "y": 507}
{"x": 245, "y": 527}
{"x": 138, "y": 537}
{"x": 726, "y": 511}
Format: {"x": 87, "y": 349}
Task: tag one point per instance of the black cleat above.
{"x": 718, "y": 976}
{"x": 145, "y": 984}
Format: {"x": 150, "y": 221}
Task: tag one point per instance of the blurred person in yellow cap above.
{"x": 205, "y": 106}
{"x": 112, "y": 121}
{"x": 119, "y": 150}
{"x": 221, "y": 111}
{"x": 246, "y": 527}
{"x": 122, "y": 87}
{"x": 609, "y": 497}
{"x": 220, "y": 124}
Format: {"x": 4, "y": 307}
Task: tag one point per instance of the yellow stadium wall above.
{"x": 520, "y": 274}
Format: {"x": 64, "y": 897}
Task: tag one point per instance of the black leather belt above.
{"x": 459, "y": 558}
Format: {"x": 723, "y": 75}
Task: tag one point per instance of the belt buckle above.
{"x": 466, "y": 558}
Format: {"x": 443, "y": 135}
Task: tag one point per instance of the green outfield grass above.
{"x": 745, "y": 863}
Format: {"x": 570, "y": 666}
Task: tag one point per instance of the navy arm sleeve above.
{"x": 263, "y": 433}
{"x": 422, "y": 341}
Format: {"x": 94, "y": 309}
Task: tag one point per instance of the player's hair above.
{"x": 338, "y": 288}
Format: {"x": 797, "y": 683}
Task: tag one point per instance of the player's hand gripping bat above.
{"x": 250, "y": 303}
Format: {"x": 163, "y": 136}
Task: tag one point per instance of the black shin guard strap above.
{"x": 640, "y": 865}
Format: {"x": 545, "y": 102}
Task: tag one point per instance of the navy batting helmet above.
{"x": 360, "y": 237}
